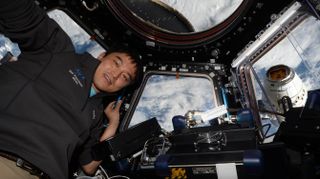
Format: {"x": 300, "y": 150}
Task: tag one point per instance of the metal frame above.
{"x": 266, "y": 40}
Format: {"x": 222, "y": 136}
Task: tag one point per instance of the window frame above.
{"x": 275, "y": 32}
{"x": 137, "y": 94}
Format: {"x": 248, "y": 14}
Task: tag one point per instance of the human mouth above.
{"x": 107, "y": 77}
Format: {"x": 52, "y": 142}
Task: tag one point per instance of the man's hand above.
{"x": 112, "y": 112}
{"x": 113, "y": 115}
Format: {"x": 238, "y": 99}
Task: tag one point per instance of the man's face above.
{"x": 115, "y": 72}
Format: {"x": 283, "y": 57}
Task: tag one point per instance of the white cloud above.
{"x": 165, "y": 97}
{"x": 204, "y": 14}
{"x": 300, "y": 51}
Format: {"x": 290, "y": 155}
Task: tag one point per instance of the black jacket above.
{"x": 45, "y": 110}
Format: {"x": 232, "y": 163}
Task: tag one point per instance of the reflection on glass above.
{"x": 165, "y": 96}
{"x": 299, "y": 50}
{"x": 204, "y": 14}
{"x": 269, "y": 119}
{"x": 172, "y": 15}
{"x": 81, "y": 40}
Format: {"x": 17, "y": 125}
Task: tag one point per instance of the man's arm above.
{"x": 112, "y": 114}
{"x": 25, "y": 23}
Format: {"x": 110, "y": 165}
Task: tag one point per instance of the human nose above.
{"x": 115, "y": 74}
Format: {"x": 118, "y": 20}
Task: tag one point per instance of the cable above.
{"x": 115, "y": 176}
{"x": 265, "y": 134}
{"x": 103, "y": 171}
{"x": 94, "y": 6}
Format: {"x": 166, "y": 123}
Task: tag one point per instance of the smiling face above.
{"x": 115, "y": 72}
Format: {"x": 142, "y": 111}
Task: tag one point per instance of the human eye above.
{"x": 117, "y": 62}
{"x": 126, "y": 78}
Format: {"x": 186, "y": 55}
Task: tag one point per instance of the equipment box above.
{"x": 205, "y": 153}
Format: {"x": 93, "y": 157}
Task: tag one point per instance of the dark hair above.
{"x": 135, "y": 57}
